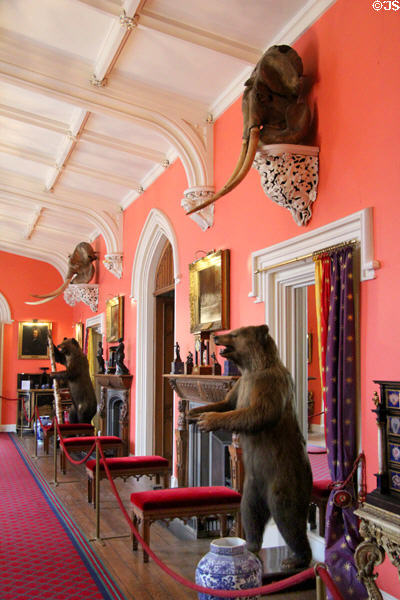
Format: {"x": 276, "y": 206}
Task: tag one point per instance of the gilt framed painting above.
{"x": 115, "y": 318}
{"x": 32, "y": 339}
{"x": 209, "y": 292}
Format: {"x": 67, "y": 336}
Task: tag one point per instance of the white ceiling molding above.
{"x": 108, "y": 224}
{"x": 109, "y": 7}
{"x": 200, "y": 37}
{"x": 122, "y": 146}
{"x": 190, "y": 144}
{"x": 33, "y": 223}
{"x": 29, "y": 118}
{"x": 170, "y": 69}
{"x": 5, "y": 313}
{"x": 117, "y": 37}
{"x": 66, "y": 77}
{"x": 67, "y": 147}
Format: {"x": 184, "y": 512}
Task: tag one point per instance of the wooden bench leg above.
{"x": 166, "y": 480}
{"x": 146, "y": 537}
{"x": 89, "y": 490}
{"x": 223, "y": 526}
{"x": 46, "y": 440}
{"x": 135, "y": 522}
{"x": 62, "y": 461}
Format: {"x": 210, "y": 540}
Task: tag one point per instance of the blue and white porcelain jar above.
{"x": 228, "y": 566}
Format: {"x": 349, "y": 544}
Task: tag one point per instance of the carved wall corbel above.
{"x": 82, "y": 292}
{"x": 113, "y": 263}
{"x": 289, "y": 177}
{"x": 195, "y": 196}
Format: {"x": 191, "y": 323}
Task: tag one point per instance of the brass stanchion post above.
{"x": 21, "y": 414}
{"x": 35, "y": 422}
{"x": 97, "y": 493}
{"x": 55, "y": 450}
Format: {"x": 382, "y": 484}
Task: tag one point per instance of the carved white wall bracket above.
{"x": 195, "y": 196}
{"x": 82, "y": 292}
{"x": 289, "y": 176}
{"x": 113, "y": 263}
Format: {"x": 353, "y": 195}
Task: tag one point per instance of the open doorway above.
{"x": 164, "y": 327}
{"x": 316, "y": 414}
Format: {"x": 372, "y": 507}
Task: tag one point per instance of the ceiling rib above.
{"x": 67, "y": 149}
{"x": 122, "y": 146}
{"x": 75, "y": 167}
{"x": 106, "y": 226}
{"x": 199, "y": 37}
{"x": 30, "y": 118}
{"x": 85, "y": 136}
{"x": 114, "y": 44}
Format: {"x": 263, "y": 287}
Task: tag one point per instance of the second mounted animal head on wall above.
{"x": 273, "y": 111}
{"x": 80, "y": 270}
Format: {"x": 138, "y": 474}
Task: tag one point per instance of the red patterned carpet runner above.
{"x": 43, "y": 554}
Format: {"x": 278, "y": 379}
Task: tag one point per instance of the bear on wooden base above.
{"x": 84, "y": 403}
{"x": 260, "y": 407}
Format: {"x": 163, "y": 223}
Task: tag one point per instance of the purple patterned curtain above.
{"x": 342, "y": 536}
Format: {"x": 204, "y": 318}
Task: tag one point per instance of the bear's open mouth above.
{"x": 226, "y": 350}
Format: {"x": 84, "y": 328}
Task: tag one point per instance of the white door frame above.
{"x": 5, "y": 319}
{"x": 275, "y": 280}
{"x": 156, "y": 231}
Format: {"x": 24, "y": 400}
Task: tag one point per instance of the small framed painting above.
{"x": 79, "y": 333}
{"x": 115, "y": 319}
{"x": 32, "y": 339}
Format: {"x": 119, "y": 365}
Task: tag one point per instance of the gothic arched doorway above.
{"x": 164, "y": 293}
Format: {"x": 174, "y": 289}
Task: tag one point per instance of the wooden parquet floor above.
{"x": 137, "y": 580}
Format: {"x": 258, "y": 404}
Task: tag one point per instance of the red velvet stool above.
{"x": 128, "y": 466}
{"x": 321, "y": 488}
{"x": 66, "y": 430}
{"x": 183, "y": 503}
{"x": 81, "y": 444}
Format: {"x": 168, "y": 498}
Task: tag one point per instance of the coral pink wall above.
{"x": 351, "y": 58}
{"x": 19, "y": 277}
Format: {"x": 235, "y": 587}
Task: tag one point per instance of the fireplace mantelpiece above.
{"x": 121, "y": 385}
{"x": 194, "y": 388}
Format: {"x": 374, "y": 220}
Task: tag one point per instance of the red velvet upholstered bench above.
{"x": 81, "y": 444}
{"x": 183, "y": 503}
{"x": 321, "y": 487}
{"x": 128, "y": 466}
{"x": 66, "y": 430}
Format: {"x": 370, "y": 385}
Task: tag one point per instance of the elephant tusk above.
{"x": 56, "y": 292}
{"x": 43, "y": 301}
{"x": 241, "y": 170}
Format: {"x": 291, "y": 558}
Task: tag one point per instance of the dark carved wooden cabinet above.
{"x": 380, "y": 514}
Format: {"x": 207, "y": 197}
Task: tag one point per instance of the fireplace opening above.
{"x": 208, "y": 465}
{"x": 114, "y": 408}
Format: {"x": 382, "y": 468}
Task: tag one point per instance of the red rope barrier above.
{"x": 9, "y": 399}
{"x": 28, "y": 420}
{"x": 341, "y": 485}
{"x": 264, "y": 590}
{"x": 69, "y": 457}
{"x": 44, "y": 427}
{"x": 322, "y": 571}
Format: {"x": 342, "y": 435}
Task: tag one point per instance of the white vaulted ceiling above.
{"x": 98, "y": 97}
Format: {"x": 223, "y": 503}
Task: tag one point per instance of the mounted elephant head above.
{"x": 272, "y": 111}
{"x": 80, "y": 270}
